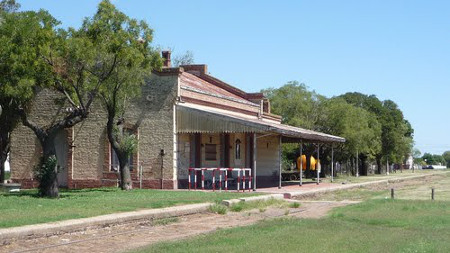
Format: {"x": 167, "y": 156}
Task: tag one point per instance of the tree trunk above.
{"x": 48, "y": 184}
{"x": 2, "y": 171}
{"x": 114, "y": 140}
{"x": 378, "y": 159}
{"x": 3, "y": 156}
{"x": 125, "y": 176}
{"x": 363, "y": 165}
{"x": 4, "y": 151}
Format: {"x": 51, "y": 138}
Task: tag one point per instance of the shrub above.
{"x": 294, "y": 205}
{"x": 218, "y": 208}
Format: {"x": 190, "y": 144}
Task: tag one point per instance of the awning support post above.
{"x": 254, "y": 162}
{"x": 279, "y": 155}
{"x": 301, "y": 164}
{"x": 318, "y": 163}
{"x": 332, "y": 163}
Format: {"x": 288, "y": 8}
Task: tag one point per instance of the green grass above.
{"x": 165, "y": 221}
{"x": 356, "y": 194}
{"x": 26, "y": 208}
{"x": 294, "y": 205}
{"x": 258, "y": 204}
{"x": 218, "y": 208}
{"x": 371, "y": 226}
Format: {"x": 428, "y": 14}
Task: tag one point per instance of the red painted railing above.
{"x": 241, "y": 181}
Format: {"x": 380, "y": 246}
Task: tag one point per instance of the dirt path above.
{"x": 134, "y": 235}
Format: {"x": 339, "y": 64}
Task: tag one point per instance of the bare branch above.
{"x": 75, "y": 87}
{"x": 40, "y": 133}
{"x": 69, "y": 98}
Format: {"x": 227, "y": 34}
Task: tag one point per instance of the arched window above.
{"x": 238, "y": 149}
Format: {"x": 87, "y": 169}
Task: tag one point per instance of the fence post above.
{"x": 432, "y": 193}
{"x": 226, "y": 180}
{"x": 203, "y": 179}
{"x": 250, "y": 180}
{"x": 392, "y": 193}
{"x": 243, "y": 180}
{"x": 195, "y": 179}
{"x": 214, "y": 180}
{"x": 220, "y": 179}
{"x": 239, "y": 180}
{"x": 189, "y": 178}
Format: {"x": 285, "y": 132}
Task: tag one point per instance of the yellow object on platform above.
{"x": 313, "y": 163}
{"x": 303, "y": 161}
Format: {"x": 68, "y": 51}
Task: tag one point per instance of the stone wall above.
{"x": 267, "y": 161}
{"x": 25, "y": 148}
{"x": 154, "y": 115}
{"x": 89, "y": 151}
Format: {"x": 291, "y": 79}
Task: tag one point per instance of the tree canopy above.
{"x": 296, "y": 104}
{"x": 433, "y": 159}
{"x": 372, "y": 128}
{"x": 78, "y": 64}
{"x": 22, "y": 36}
{"x": 446, "y": 156}
{"x": 185, "y": 58}
{"x": 125, "y": 41}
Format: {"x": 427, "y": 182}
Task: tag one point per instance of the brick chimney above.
{"x": 166, "y": 56}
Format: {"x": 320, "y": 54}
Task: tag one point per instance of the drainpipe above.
{"x": 162, "y": 153}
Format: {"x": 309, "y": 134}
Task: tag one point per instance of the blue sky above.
{"x": 398, "y": 50}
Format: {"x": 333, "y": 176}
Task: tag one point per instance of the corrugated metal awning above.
{"x": 195, "y": 119}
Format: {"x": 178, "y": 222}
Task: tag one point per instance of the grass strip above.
{"x": 26, "y": 208}
{"x": 372, "y": 226}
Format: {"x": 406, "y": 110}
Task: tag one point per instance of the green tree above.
{"x": 396, "y": 132}
{"x": 446, "y": 156}
{"x": 21, "y": 36}
{"x": 296, "y": 104}
{"x": 126, "y": 41}
{"x": 298, "y": 107}
{"x": 79, "y": 66}
{"x": 358, "y": 126}
{"x": 433, "y": 159}
{"x": 184, "y": 59}
{"x": 417, "y": 155}
{"x": 9, "y": 6}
